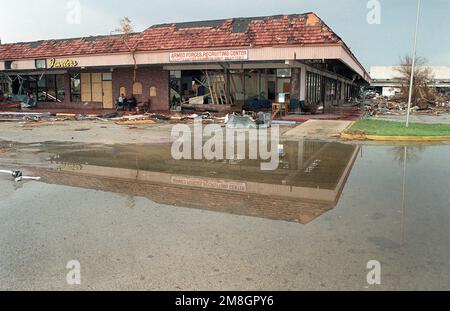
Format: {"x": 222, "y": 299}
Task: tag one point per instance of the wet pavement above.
{"x": 138, "y": 220}
{"x": 320, "y": 129}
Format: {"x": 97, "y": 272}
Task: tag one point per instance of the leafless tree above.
{"x": 423, "y": 78}
{"x": 126, "y": 31}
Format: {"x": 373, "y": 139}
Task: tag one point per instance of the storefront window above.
{"x": 51, "y": 88}
{"x": 284, "y": 90}
{"x": 268, "y": 84}
{"x": 319, "y": 89}
{"x": 284, "y": 73}
{"x": 75, "y": 88}
{"x": 60, "y": 90}
{"x": 32, "y": 85}
{"x": 252, "y": 84}
{"x": 42, "y": 89}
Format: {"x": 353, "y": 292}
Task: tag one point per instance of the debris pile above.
{"x": 150, "y": 118}
{"x": 243, "y": 120}
{"x": 397, "y": 105}
{"x": 249, "y": 120}
{"x": 28, "y": 119}
{"x": 209, "y": 90}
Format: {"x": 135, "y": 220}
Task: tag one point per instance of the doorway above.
{"x": 107, "y": 95}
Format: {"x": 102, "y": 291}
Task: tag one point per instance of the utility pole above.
{"x": 413, "y": 65}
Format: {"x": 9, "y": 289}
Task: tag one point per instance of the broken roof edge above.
{"x": 208, "y": 22}
{"x": 94, "y": 37}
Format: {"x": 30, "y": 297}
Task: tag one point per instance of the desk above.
{"x": 278, "y": 108}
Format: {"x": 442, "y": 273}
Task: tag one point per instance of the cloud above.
{"x": 48, "y": 19}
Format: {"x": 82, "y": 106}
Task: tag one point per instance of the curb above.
{"x": 394, "y": 138}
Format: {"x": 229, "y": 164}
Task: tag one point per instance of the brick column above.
{"x": 295, "y": 83}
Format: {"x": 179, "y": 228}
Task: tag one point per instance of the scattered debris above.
{"x": 159, "y": 117}
{"x": 18, "y": 175}
{"x": 32, "y": 120}
{"x": 313, "y": 166}
{"x": 396, "y": 105}
{"x": 110, "y": 115}
{"x": 135, "y": 122}
{"x": 41, "y": 124}
{"x": 281, "y": 122}
{"x": 249, "y": 120}
{"x": 82, "y": 129}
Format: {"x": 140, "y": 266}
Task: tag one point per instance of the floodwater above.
{"x": 136, "y": 219}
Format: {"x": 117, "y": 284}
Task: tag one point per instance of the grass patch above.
{"x": 393, "y": 128}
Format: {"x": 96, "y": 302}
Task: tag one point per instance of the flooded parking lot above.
{"x": 135, "y": 218}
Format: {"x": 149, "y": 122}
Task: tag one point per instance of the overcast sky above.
{"x": 373, "y": 44}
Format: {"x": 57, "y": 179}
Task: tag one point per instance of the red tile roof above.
{"x": 68, "y": 47}
{"x": 238, "y": 32}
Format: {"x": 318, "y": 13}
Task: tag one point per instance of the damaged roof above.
{"x": 280, "y": 30}
{"x": 66, "y": 47}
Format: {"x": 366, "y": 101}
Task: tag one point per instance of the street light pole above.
{"x": 413, "y": 65}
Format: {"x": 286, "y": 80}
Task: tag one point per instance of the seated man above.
{"x": 132, "y": 103}
{"x": 121, "y": 102}
{"x": 31, "y": 102}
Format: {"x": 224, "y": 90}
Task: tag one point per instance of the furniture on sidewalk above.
{"x": 143, "y": 107}
{"x": 280, "y": 108}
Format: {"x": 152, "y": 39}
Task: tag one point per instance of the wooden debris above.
{"x": 135, "y": 122}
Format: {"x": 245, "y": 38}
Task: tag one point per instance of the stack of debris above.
{"x": 170, "y": 118}
{"x": 29, "y": 119}
{"x": 217, "y": 84}
{"x": 214, "y": 87}
{"x": 397, "y": 105}
{"x": 250, "y": 120}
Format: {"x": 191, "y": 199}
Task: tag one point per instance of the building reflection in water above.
{"x": 307, "y": 183}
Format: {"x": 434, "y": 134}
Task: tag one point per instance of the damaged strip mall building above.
{"x": 220, "y": 64}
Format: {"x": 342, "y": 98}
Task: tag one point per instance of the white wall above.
{"x": 390, "y": 91}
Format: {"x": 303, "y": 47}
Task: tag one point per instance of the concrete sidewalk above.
{"x": 318, "y": 129}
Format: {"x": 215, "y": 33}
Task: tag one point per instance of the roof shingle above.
{"x": 298, "y": 29}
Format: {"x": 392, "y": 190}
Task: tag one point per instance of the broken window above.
{"x": 75, "y": 88}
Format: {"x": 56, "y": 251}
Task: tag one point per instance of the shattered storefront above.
{"x": 257, "y": 85}
{"x": 5, "y": 83}
{"x": 80, "y": 87}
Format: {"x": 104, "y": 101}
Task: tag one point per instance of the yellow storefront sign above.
{"x": 66, "y": 63}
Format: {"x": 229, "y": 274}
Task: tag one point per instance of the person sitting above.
{"x": 132, "y": 103}
{"x": 121, "y": 102}
{"x": 31, "y": 102}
